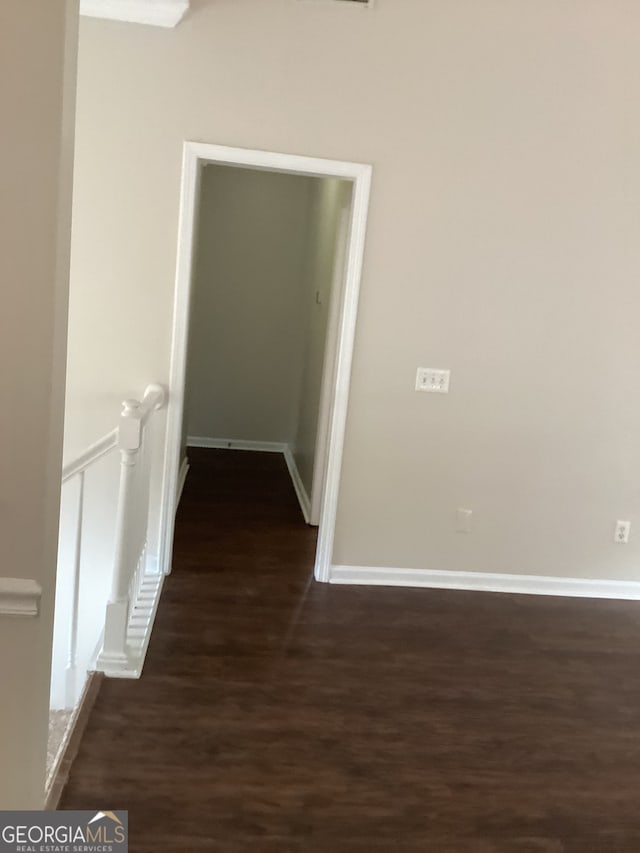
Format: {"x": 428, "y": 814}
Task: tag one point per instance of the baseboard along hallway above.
{"x": 277, "y": 714}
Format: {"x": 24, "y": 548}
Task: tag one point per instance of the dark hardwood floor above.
{"x": 277, "y": 715}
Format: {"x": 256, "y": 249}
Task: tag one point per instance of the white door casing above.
{"x": 329, "y": 367}
{"x": 335, "y": 393}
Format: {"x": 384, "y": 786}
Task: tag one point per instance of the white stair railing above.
{"x": 128, "y": 567}
{"x": 134, "y": 417}
{"x": 77, "y": 469}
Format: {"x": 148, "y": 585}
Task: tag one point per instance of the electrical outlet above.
{"x": 431, "y": 379}
{"x": 621, "y": 535}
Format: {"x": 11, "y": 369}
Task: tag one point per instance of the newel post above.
{"x": 114, "y": 650}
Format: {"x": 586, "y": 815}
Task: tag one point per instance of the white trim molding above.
{"x": 155, "y": 13}
{"x": 236, "y": 444}
{"x": 298, "y": 485}
{"x": 142, "y": 616}
{"x": 19, "y": 597}
{"x": 194, "y": 157}
{"x": 182, "y": 479}
{"x": 486, "y": 582}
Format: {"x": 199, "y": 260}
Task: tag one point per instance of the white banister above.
{"x": 128, "y": 565}
{"x": 154, "y": 399}
{"x": 133, "y": 419}
{"x": 77, "y": 468}
{"x": 94, "y": 452}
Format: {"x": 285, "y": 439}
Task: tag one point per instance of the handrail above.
{"x": 94, "y": 452}
{"x": 128, "y": 565}
{"x": 153, "y": 400}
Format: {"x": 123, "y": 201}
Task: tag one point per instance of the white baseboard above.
{"x": 182, "y": 478}
{"x": 298, "y": 485}
{"x": 235, "y": 444}
{"x": 485, "y": 582}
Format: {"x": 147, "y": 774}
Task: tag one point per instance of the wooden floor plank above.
{"x": 276, "y": 714}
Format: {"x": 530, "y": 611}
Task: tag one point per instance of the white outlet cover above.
{"x": 432, "y": 379}
{"x": 622, "y": 531}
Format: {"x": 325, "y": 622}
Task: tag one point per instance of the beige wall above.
{"x": 330, "y": 197}
{"x": 263, "y": 276}
{"x": 248, "y": 307}
{"x": 502, "y": 244}
{"x": 35, "y": 178}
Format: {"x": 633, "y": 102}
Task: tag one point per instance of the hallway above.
{"x": 277, "y": 715}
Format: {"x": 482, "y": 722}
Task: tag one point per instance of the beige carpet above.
{"x": 58, "y": 725}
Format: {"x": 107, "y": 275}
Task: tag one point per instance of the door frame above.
{"x": 328, "y": 367}
{"x": 195, "y": 156}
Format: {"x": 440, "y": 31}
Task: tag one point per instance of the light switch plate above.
{"x": 433, "y": 379}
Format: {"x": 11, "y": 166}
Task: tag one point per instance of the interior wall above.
{"x": 37, "y": 70}
{"x": 248, "y": 306}
{"x": 502, "y": 244}
{"x": 329, "y": 199}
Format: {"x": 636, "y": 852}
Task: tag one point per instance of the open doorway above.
{"x": 269, "y": 264}
{"x": 269, "y": 254}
